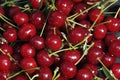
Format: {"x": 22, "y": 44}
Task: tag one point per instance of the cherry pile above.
{"x": 59, "y": 40}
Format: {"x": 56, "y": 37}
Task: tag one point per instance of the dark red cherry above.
{"x": 78, "y": 8}
{"x": 76, "y": 35}
{"x": 100, "y": 44}
{"x": 37, "y": 42}
{"x": 36, "y": 3}
{"x": 86, "y": 23}
{"x": 68, "y": 69}
{"x": 100, "y": 31}
{"x": 93, "y": 54}
{"x": 27, "y": 50}
{"x": 64, "y": 5}
{"x": 21, "y": 77}
{"x": 71, "y": 56}
{"x": 4, "y": 74}
{"x": 37, "y": 18}
{"x": 43, "y": 58}
{"x": 54, "y": 42}
{"x": 2, "y": 11}
{"x": 113, "y": 25}
{"x": 94, "y": 14}
{"x": 7, "y": 49}
{"x": 26, "y": 32}
{"x": 45, "y": 73}
{"x": 21, "y": 18}
{"x": 77, "y": 1}
{"x": 5, "y": 62}
{"x": 114, "y": 48}
{"x": 61, "y": 78}
{"x": 57, "y": 18}
{"x": 116, "y": 70}
{"x": 28, "y": 63}
{"x": 10, "y": 35}
{"x": 84, "y": 74}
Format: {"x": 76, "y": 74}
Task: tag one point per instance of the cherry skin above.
{"x": 100, "y": 44}
{"x": 43, "y": 58}
{"x": 26, "y": 32}
{"x": 7, "y": 49}
{"x": 71, "y": 56}
{"x": 94, "y": 14}
{"x": 36, "y": 3}
{"x": 113, "y": 25}
{"x": 4, "y": 74}
{"x": 93, "y": 54}
{"x": 100, "y": 31}
{"x": 116, "y": 70}
{"x": 76, "y": 35}
{"x": 28, "y": 63}
{"x": 5, "y": 62}
{"x": 37, "y": 18}
{"x": 21, "y": 77}
{"x": 53, "y": 42}
{"x": 45, "y": 73}
{"x": 68, "y": 69}
{"x": 21, "y": 18}
{"x": 84, "y": 74}
{"x": 64, "y": 6}
{"x": 37, "y": 42}
{"x": 86, "y": 23}
{"x": 27, "y": 50}
{"x": 61, "y": 78}
{"x": 57, "y": 18}
{"x": 10, "y": 35}
{"x": 76, "y": 1}
{"x": 114, "y": 48}
{"x": 2, "y": 11}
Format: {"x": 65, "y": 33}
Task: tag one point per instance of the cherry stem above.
{"x": 84, "y": 54}
{"x": 35, "y": 76}
{"x": 11, "y": 2}
{"x": 2, "y": 29}
{"x": 117, "y": 13}
{"x": 55, "y": 73}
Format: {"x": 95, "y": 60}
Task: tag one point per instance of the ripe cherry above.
{"x": 90, "y": 1}
{"x": 2, "y": 11}
{"x": 4, "y": 74}
{"x": 36, "y": 3}
{"x": 100, "y": 44}
{"x": 86, "y": 23}
{"x": 21, "y": 77}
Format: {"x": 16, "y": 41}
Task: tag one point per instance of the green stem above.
{"x": 117, "y": 13}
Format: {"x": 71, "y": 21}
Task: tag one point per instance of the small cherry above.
{"x": 36, "y": 3}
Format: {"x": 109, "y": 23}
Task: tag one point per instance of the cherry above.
{"x": 94, "y": 14}
{"x": 7, "y": 49}
{"x": 116, "y": 70}
{"x": 36, "y": 3}
{"x": 21, "y": 18}
{"x": 45, "y": 73}
{"x": 21, "y": 77}
{"x": 113, "y": 25}
{"x": 10, "y": 35}
{"x": 68, "y": 69}
{"x": 71, "y": 56}
{"x": 110, "y": 38}
{"x": 84, "y": 74}
{"x": 57, "y": 18}
{"x": 77, "y": 1}
{"x": 27, "y": 50}
{"x": 64, "y": 6}
{"x": 108, "y": 60}
{"x": 37, "y": 42}
{"x": 28, "y": 63}
{"x": 93, "y": 54}
{"x": 114, "y": 48}
{"x": 44, "y": 59}
{"x": 76, "y": 35}
{"x": 86, "y": 23}
{"x": 100, "y": 31}
{"x": 53, "y": 42}
{"x": 4, "y": 74}
{"x": 100, "y": 44}
{"x": 5, "y": 62}
{"x": 2, "y": 11}
{"x": 78, "y": 8}
{"x": 37, "y": 18}
{"x": 61, "y": 78}
{"x": 26, "y": 31}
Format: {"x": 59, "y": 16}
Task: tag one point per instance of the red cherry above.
{"x": 44, "y": 59}
{"x": 21, "y": 77}
{"x": 5, "y": 62}
{"x": 37, "y": 42}
{"x": 86, "y": 23}
{"x": 2, "y": 11}
{"x": 76, "y": 35}
{"x": 27, "y": 50}
{"x": 4, "y": 74}
{"x": 100, "y": 44}
{"x": 64, "y": 5}
{"x": 45, "y": 73}
{"x": 10, "y": 35}
{"x": 53, "y": 42}
{"x": 116, "y": 70}
{"x": 36, "y": 3}
{"x": 57, "y": 18}
{"x": 77, "y": 1}
{"x": 37, "y": 18}
{"x": 94, "y": 14}
{"x": 71, "y": 56}
{"x": 61, "y": 78}
{"x": 21, "y": 18}
{"x": 28, "y": 63}
{"x": 84, "y": 74}
{"x": 68, "y": 69}
{"x": 26, "y": 32}
{"x": 113, "y": 25}
{"x": 100, "y": 31}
